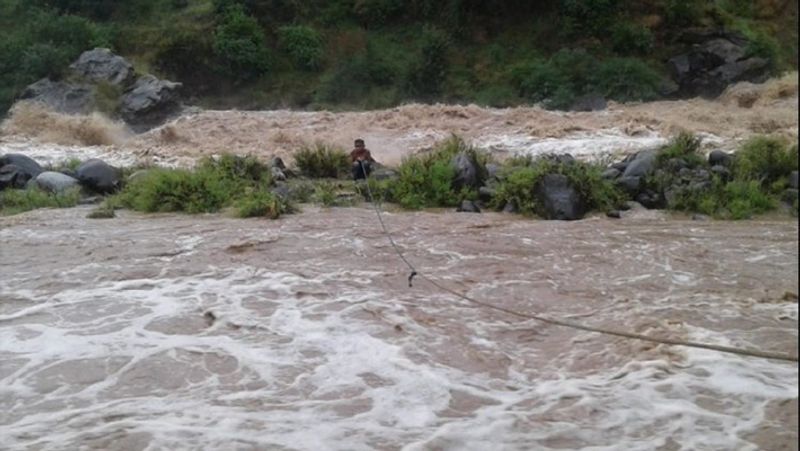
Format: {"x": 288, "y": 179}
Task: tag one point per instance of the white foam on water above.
{"x": 311, "y": 375}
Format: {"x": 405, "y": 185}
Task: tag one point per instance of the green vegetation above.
{"x": 14, "y": 201}
{"x": 522, "y": 175}
{"x": 379, "y": 53}
{"x": 216, "y": 183}
{"x": 261, "y": 202}
{"x": 428, "y": 180}
{"x": 322, "y": 161}
{"x": 754, "y": 185}
{"x": 104, "y": 211}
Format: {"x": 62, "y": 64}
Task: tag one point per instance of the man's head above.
{"x": 359, "y": 143}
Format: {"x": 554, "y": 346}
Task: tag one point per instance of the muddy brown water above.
{"x": 208, "y": 332}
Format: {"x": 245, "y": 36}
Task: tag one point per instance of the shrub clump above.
{"x": 523, "y": 175}
{"x": 429, "y": 180}
{"x": 303, "y": 45}
{"x": 260, "y": 202}
{"x": 14, "y": 201}
{"x": 322, "y": 161}
{"x": 570, "y": 74}
{"x": 757, "y": 177}
{"x": 215, "y": 183}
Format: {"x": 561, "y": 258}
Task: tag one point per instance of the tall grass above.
{"x": 13, "y": 201}
{"x": 322, "y": 161}
{"x": 242, "y": 182}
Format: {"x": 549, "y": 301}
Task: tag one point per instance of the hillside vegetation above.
{"x": 378, "y": 53}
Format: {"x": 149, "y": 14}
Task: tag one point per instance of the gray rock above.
{"x": 621, "y": 166}
{"x": 789, "y": 195}
{"x": 793, "y": 182}
{"x": 150, "y": 102}
{"x": 98, "y": 176}
{"x": 55, "y": 182}
{"x": 12, "y": 176}
{"x": 60, "y": 96}
{"x": 466, "y": 171}
{"x": 493, "y": 171}
{"x": 650, "y": 200}
{"x": 719, "y": 158}
{"x": 559, "y": 199}
{"x": 721, "y": 171}
{"x": 699, "y": 217}
{"x": 277, "y": 174}
{"x": 23, "y": 163}
{"x": 630, "y": 185}
{"x": 468, "y": 206}
{"x": 632, "y": 205}
{"x": 383, "y": 173}
{"x": 486, "y": 194}
{"x": 676, "y": 164}
{"x": 641, "y": 165}
{"x": 590, "y": 102}
{"x": 101, "y": 65}
{"x": 611, "y": 173}
{"x": 277, "y": 162}
{"x": 616, "y": 214}
{"x": 715, "y": 61}
{"x": 510, "y": 208}
{"x": 282, "y": 191}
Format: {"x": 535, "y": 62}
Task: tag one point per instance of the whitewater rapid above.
{"x": 207, "y": 332}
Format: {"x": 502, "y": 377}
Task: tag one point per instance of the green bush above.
{"x": 187, "y": 54}
{"x": 523, "y": 174}
{"x": 212, "y": 185}
{"x": 569, "y": 74}
{"x": 738, "y": 199}
{"x": 427, "y": 180}
{"x": 13, "y": 201}
{"x": 322, "y": 161}
{"x": 588, "y": 17}
{"x": 426, "y": 76}
{"x": 627, "y": 79}
{"x": 303, "y": 45}
{"x": 684, "y": 13}
{"x": 631, "y": 39}
{"x": 684, "y": 146}
{"x": 765, "y": 159}
{"x": 260, "y": 202}
{"x": 240, "y": 45}
{"x": 541, "y": 81}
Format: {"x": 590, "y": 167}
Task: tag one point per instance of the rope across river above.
{"x": 558, "y": 322}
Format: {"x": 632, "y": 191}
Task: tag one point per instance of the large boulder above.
{"x": 100, "y": 65}
{"x": 466, "y": 171}
{"x": 716, "y": 60}
{"x": 55, "y": 182}
{"x": 643, "y": 163}
{"x": 98, "y": 176}
{"x": 24, "y": 163}
{"x": 559, "y": 199}
{"x": 60, "y": 96}
{"x": 719, "y": 158}
{"x": 12, "y": 176}
{"x": 150, "y": 102}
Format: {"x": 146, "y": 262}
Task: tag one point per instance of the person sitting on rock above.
{"x": 362, "y": 160}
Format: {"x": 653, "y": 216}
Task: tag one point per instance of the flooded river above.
{"x": 205, "y": 332}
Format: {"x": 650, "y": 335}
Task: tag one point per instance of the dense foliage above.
{"x": 377, "y": 53}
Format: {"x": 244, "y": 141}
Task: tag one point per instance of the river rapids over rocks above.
{"x": 172, "y": 332}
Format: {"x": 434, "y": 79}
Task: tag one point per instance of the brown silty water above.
{"x": 207, "y": 332}
{"x": 742, "y": 111}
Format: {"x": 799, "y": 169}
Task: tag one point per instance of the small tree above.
{"x": 239, "y": 45}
